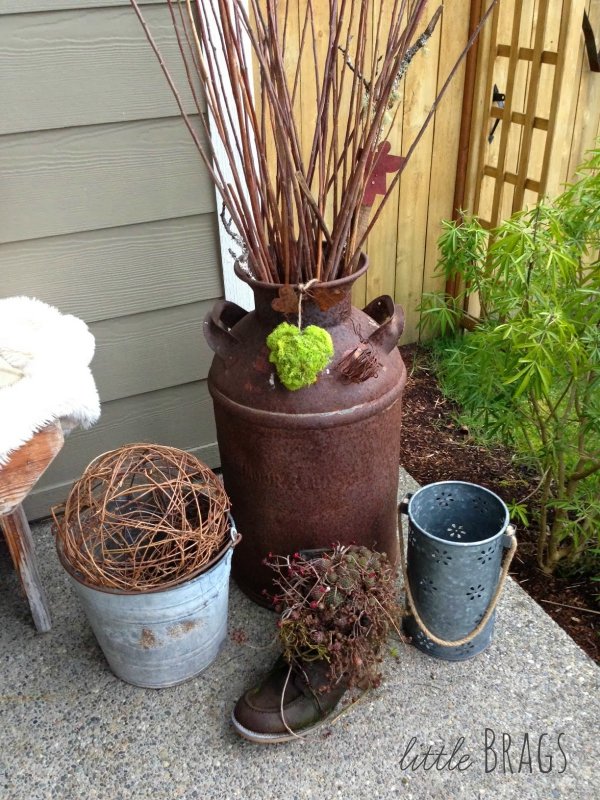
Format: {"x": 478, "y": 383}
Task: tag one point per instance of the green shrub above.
{"x": 528, "y": 372}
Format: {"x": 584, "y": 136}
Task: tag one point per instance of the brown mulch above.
{"x": 435, "y": 448}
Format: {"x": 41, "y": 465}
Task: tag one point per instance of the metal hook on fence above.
{"x": 498, "y": 98}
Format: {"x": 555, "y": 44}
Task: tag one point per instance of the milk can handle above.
{"x": 218, "y": 324}
{"x": 509, "y": 542}
{"x": 391, "y": 322}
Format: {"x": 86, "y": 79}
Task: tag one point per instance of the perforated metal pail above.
{"x": 456, "y": 539}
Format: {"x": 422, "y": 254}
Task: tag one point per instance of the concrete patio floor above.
{"x": 69, "y": 729}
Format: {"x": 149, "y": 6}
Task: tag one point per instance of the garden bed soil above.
{"x": 435, "y": 447}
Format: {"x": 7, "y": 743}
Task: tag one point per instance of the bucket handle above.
{"x": 218, "y": 324}
{"x": 236, "y": 537}
{"x": 390, "y": 316}
{"x": 509, "y": 542}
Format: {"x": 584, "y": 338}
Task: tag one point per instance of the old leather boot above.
{"x": 258, "y": 713}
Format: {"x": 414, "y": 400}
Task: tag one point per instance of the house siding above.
{"x": 107, "y": 212}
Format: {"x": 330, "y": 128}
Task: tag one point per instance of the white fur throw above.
{"x": 44, "y": 372}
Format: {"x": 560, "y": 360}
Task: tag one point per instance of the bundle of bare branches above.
{"x": 301, "y": 214}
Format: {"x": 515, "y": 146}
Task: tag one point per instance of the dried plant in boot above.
{"x": 339, "y": 606}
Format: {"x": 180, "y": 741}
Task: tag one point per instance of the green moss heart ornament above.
{"x": 299, "y": 355}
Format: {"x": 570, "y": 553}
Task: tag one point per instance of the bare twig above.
{"x": 295, "y": 193}
{"x": 575, "y": 608}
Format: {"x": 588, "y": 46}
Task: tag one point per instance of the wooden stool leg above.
{"x": 20, "y": 545}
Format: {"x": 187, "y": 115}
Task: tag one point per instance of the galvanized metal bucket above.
{"x": 161, "y": 638}
{"x": 458, "y": 533}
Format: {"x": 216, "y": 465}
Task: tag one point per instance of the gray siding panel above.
{"x": 57, "y": 182}
{"x": 107, "y": 212}
{"x": 151, "y": 351}
{"x": 117, "y": 271}
{"x": 168, "y": 416}
{"x": 28, "y": 6}
{"x": 86, "y": 69}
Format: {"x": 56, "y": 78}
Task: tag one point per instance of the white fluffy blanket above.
{"x": 44, "y": 372}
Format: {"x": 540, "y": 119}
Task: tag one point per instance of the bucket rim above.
{"x": 232, "y": 539}
{"x": 437, "y": 539}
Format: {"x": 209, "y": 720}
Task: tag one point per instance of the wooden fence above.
{"x": 533, "y": 50}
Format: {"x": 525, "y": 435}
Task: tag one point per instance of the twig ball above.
{"x": 142, "y": 517}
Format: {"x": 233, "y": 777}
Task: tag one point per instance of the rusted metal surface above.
{"x": 319, "y": 465}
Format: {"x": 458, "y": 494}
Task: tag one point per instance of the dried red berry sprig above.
{"x": 339, "y": 606}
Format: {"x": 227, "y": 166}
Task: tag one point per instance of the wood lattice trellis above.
{"x": 532, "y": 54}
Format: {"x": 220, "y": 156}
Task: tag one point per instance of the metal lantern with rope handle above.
{"x": 453, "y": 570}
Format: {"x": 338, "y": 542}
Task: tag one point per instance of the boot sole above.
{"x": 278, "y": 738}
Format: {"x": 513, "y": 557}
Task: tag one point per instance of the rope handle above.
{"x": 510, "y": 531}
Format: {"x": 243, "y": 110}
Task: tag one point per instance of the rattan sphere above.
{"x": 142, "y": 517}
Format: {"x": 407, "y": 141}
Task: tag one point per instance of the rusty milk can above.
{"x": 307, "y": 468}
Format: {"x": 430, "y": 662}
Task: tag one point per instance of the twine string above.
{"x": 329, "y": 719}
{"x": 303, "y": 290}
{"x": 490, "y": 609}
